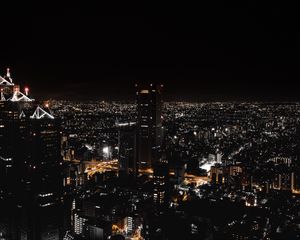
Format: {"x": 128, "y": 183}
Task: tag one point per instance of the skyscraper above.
{"x": 127, "y": 148}
{"x": 149, "y": 124}
{"x": 160, "y": 178}
{"x": 30, "y": 161}
{"x": 149, "y": 138}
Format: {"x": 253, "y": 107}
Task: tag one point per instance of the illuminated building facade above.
{"x": 149, "y": 138}
{"x": 160, "y": 180}
{"x": 79, "y": 224}
{"x": 149, "y": 124}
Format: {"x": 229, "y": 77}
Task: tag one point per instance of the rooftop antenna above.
{"x": 26, "y": 89}
{"x": 8, "y": 74}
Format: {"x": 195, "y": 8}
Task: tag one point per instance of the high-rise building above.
{"x": 149, "y": 124}
{"x": 30, "y": 160}
{"x": 13, "y": 103}
{"x": 127, "y": 148}
{"x": 160, "y": 179}
{"x": 41, "y": 169}
{"x": 149, "y": 138}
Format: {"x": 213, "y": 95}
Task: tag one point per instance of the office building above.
{"x": 160, "y": 180}
{"x": 30, "y": 165}
{"x": 127, "y": 148}
{"x": 149, "y": 124}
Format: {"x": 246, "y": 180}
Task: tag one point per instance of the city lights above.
{"x": 122, "y": 126}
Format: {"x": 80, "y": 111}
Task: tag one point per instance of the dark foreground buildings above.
{"x": 30, "y": 167}
{"x": 127, "y": 148}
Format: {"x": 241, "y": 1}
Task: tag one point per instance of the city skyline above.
{"x": 147, "y": 170}
{"x": 149, "y": 122}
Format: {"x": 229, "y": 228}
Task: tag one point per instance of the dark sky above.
{"x": 211, "y": 51}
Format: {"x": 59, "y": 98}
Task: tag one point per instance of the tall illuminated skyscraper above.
{"x": 149, "y": 138}
{"x": 149, "y": 124}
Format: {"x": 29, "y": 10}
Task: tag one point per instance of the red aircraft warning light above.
{"x": 26, "y": 89}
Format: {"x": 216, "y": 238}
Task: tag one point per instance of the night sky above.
{"x": 214, "y": 51}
